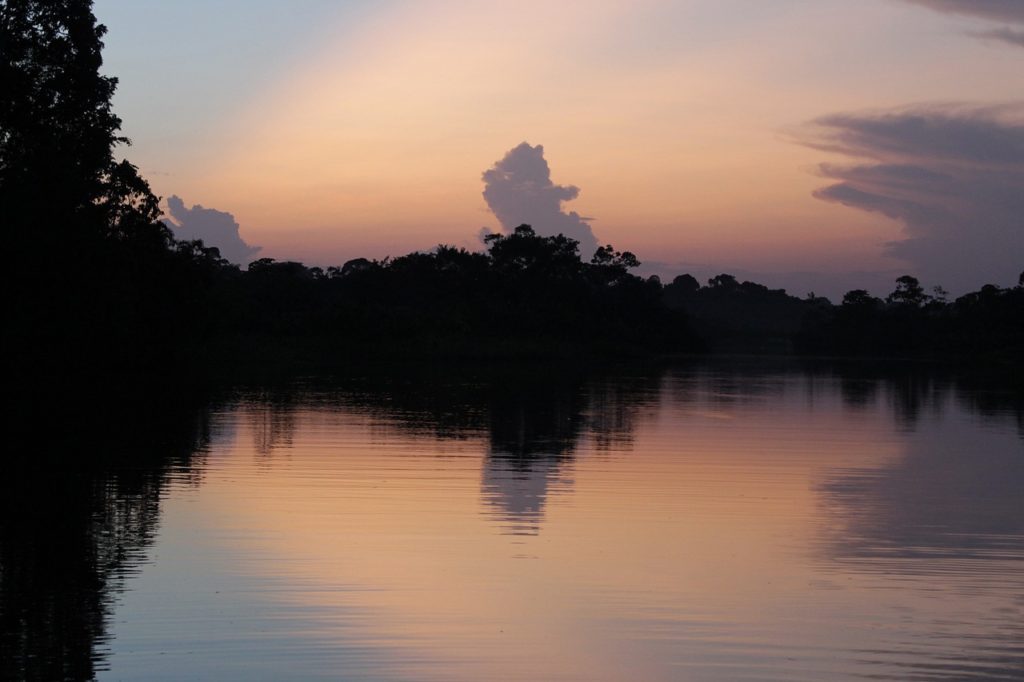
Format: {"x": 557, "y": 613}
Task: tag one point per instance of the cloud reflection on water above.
{"x": 725, "y": 521}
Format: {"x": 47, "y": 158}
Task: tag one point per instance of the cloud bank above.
{"x": 1004, "y": 11}
{"x": 952, "y": 175}
{"x": 518, "y": 189}
{"x": 215, "y": 228}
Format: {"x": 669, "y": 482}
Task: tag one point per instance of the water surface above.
{"x": 710, "y": 523}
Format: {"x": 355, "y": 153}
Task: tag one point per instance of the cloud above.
{"x": 1003, "y": 11}
{"x": 1011, "y": 11}
{"x": 518, "y": 189}
{"x": 952, "y": 175}
{"x": 1006, "y": 35}
{"x": 215, "y": 228}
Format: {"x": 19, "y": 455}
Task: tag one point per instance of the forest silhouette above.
{"x": 102, "y": 289}
{"x": 101, "y": 295}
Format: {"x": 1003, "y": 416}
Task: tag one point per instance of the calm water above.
{"x": 692, "y": 524}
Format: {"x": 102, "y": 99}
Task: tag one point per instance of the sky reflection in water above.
{"x": 695, "y": 524}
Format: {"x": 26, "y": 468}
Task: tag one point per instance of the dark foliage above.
{"x": 98, "y": 290}
{"x": 118, "y": 295}
{"x": 986, "y": 324}
{"x": 748, "y": 317}
{"x": 78, "y": 512}
{"x": 527, "y": 293}
{"x": 97, "y": 284}
{"x": 741, "y": 317}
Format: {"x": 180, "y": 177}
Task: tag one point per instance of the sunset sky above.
{"x": 818, "y": 144}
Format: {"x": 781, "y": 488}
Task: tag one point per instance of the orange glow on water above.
{"x": 710, "y": 525}
{"x": 411, "y": 534}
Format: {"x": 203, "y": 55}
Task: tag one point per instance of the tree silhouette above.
{"x": 687, "y": 284}
{"x": 98, "y": 284}
{"x": 525, "y": 250}
{"x": 860, "y": 298}
{"x": 60, "y": 185}
{"x": 611, "y": 266}
{"x": 908, "y": 292}
{"x": 723, "y": 281}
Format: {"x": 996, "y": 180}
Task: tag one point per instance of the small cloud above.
{"x": 215, "y": 228}
{"x": 1002, "y": 11}
{"x": 952, "y": 175}
{"x": 1005, "y": 35}
{"x": 518, "y": 189}
{"x": 1011, "y": 11}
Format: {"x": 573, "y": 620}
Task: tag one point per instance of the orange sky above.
{"x": 675, "y": 119}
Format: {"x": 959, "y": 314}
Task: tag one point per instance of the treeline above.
{"x": 528, "y": 294}
{"x": 729, "y": 315}
{"x": 985, "y": 324}
{"x": 99, "y": 287}
{"x": 525, "y": 295}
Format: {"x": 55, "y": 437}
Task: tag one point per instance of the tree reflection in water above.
{"x": 531, "y": 419}
{"x": 945, "y": 515}
{"x": 78, "y": 513}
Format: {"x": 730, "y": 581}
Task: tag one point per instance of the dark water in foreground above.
{"x": 713, "y": 523}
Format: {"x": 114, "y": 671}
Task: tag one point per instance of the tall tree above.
{"x": 60, "y": 185}
{"x": 97, "y": 284}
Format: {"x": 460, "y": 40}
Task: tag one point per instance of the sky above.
{"x": 814, "y": 145}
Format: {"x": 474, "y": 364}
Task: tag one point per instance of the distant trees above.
{"x": 723, "y": 282}
{"x": 985, "y": 323}
{"x": 525, "y": 250}
{"x": 526, "y": 293}
{"x": 685, "y": 285}
{"x": 731, "y": 316}
{"x": 908, "y": 292}
{"x": 859, "y": 298}
{"x": 611, "y": 266}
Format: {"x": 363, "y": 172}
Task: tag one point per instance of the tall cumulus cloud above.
{"x": 952, "y": 175}
{"x": 1007, "y": 12}
{"x": 518, "y": 189}
{"x": 215, "y": 228}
